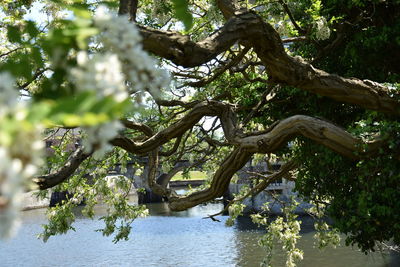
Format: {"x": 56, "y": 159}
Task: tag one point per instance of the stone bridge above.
{"x": 140, "y": 181}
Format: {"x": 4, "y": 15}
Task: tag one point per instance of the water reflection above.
{"x": 164, "y": 239}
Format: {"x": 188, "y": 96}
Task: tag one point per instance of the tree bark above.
{"x": 128, "y": 7}
{"x": 280, "y": 66}
{"x": 59, "y": 176}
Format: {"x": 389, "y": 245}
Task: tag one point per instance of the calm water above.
{"x": 165, "y": 239}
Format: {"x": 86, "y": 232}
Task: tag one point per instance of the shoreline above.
{"x": 31, "y": 202}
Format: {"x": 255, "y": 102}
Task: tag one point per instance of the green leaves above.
{"x": 182, "y": 13}
{"x": 84, "y": 109}
{"x": 283, "y": 230}
{"x": 14, "y": 34}
{"x": 60, "y": 218}
{"x": 361, "y": 192}
{"x": 23, "y": 33}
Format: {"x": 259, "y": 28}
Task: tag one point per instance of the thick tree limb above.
{"x": 138, "y": 126}
{"x": 294, "y": 39}
{"x": 59, "y": 176}
{"x": 152, "y": 174}
{"x": 174, "y": 103}
{"x": 234, "y": 162}
{"x": 281, "y": 67}
{"x": 318, "y": 130}
{"x": 228, "y": 7}
{"x": 245, "y": 145}
{"x": 128, "y": 7}
{"x": 165, "y": 178}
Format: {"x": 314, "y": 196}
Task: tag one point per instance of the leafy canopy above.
{"x": 59, "y": 62}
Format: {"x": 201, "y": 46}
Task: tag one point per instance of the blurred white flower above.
{"x": 104, "y": 73}
{"x": 11, "y": 189}
{"x": 101, "y": 74}
{"x": 98, "y": 136}
{"x": 20, "y": 154}
{"x": 123, "y": 38}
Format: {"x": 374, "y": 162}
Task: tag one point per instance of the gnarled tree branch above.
{"x": 222, "y": 177}
{"x": 320, "y": 131}
{"x": 59, "y": 176}
{"x": 245, "y": 145}
{"x": 280, "y": 66}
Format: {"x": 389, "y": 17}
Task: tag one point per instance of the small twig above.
{"x": 261, "y": 103}
{"x": 294, "y": 39}
{"x": 10, "y": 52}
{"x": 35, "y": 76}
{"x": 287, "y": 10}
{"x": 220, "y": 71}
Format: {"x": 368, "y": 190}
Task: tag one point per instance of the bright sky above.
{"x": 36, "y": 14}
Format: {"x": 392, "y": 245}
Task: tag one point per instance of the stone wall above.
{"x": 30, "y": 201}
{"x": 276, "y": 193}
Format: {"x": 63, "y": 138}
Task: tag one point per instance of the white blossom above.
{"x": 297, "y": 255}
{"x": 20, "y": 154}
{"x": 98, "y": 137}
{"x": 14, "y": 173}
{"x": 111, "y": 181}
{"x": 19, "y": 163}
{"x": 123, "y": 38}
{"x": 77, "y": 199}
{"x": 102, "y": 74}
{"x": 10, "y": 194}
{"x": 27, "y": 146}
{"x": 322, "y": 30}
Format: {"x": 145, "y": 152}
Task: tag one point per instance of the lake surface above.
{"x": 176, "y": 239}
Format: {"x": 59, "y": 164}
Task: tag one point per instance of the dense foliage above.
{"x": 212, "y": 101}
